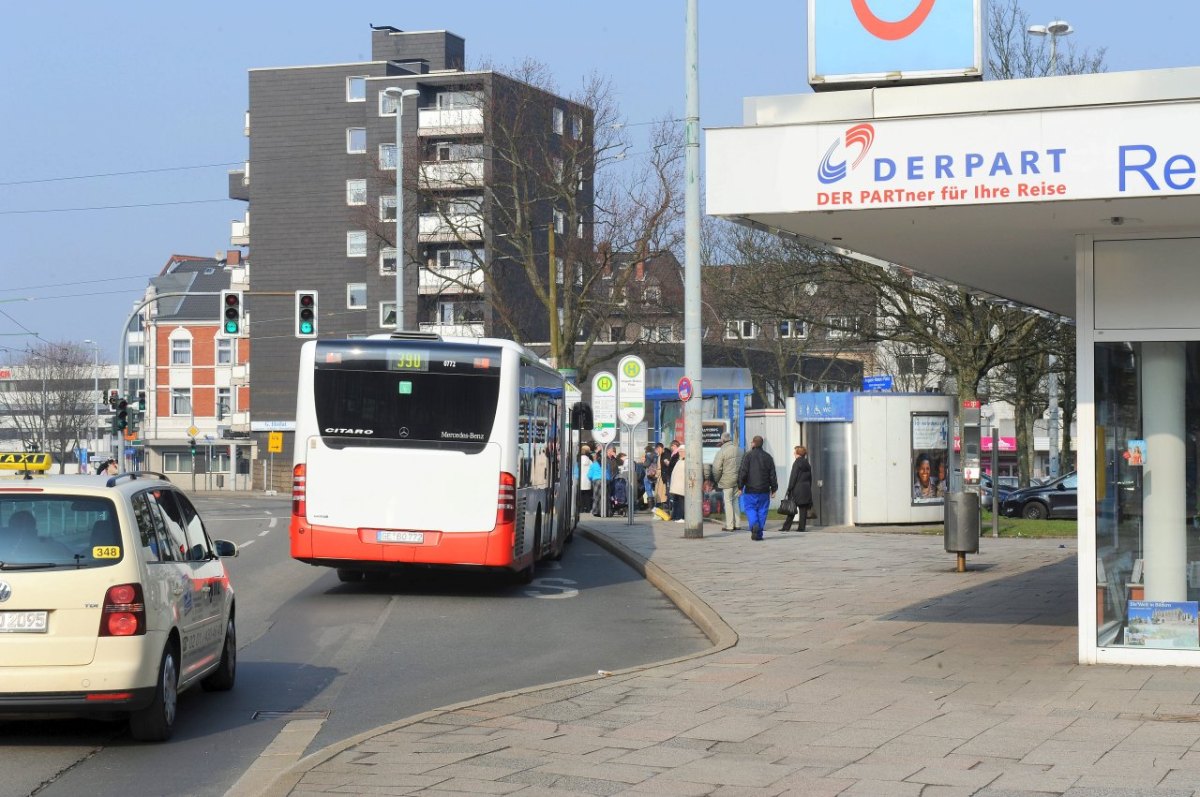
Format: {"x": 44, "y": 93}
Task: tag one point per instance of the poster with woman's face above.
{"x": 930, "y": 457}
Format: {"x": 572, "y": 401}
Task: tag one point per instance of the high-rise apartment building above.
{"x": 491, "y": 164}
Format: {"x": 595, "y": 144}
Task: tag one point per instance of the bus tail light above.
{"x": 506, "y": 500}
{"x": 299, "y": 504}
{"x": 124, "y": 612}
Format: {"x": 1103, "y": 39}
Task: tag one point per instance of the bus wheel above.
{"x": 348, "y": 576}
{"x": 524, "y": 575}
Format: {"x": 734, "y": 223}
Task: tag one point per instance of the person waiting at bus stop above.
{"x": 757, "y": 484}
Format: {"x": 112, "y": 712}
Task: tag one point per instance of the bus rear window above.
{"x": 417, "y": 408}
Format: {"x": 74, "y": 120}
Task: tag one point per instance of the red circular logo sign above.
{"x": 891, "y": 31}
{"x": 685, "y": 389}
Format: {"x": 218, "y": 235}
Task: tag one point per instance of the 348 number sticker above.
{"x": 106, "y": 552}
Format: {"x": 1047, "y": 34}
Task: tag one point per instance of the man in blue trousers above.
{"x": 757, "y": 484}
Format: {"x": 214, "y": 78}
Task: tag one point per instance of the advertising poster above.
{"x": 1163, "y": 624}
{"x": 930, "y": 457}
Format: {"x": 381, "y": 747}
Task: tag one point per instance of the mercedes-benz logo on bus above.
{"x": 5, "y": 591}
{"x": 403, "y": 431}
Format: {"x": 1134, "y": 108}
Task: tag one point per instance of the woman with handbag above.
{"x": 799, "y": 491}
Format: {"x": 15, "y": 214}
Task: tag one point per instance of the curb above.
{"x": 720, "y": 633}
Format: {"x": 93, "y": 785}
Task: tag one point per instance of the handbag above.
{"x": 787, "y": 507}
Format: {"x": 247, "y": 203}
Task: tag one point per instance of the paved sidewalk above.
{"x": 863, "y": 665}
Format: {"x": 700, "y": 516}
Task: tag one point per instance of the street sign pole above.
{"x": 631, "y": 400}
{"x": 604, "y": 429}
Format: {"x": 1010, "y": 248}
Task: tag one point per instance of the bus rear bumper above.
{"x": 332, "y": 546}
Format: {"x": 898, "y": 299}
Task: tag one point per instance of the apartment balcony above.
{"x": 453, "y": 330}
{"x": 239, "y": 233}
{"x": 437, "y": 282}
{"x": 450, "y": 122}
{"x": 239, "y": 184}
{"x": 451, "y": 174}
{"x": 436, "y": 228}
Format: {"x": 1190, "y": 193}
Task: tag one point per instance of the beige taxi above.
{"x": 113, "y": 600}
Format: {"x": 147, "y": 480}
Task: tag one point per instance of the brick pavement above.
{"x": 846, "y": 663}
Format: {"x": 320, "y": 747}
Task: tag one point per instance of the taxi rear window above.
{"x": 58, "y": 531}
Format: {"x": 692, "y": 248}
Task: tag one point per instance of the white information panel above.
{"x": 604, "y": 407}
{"x": 631, "y": 390}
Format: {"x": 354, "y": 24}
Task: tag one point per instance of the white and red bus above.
{"x": 416, "y": 450}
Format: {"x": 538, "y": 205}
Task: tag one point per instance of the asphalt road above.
{"x": 353, "y": 657}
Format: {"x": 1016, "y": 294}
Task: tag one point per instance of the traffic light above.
{"x": 121, "y": 419}
{"x": 231, "y": 314}
{"x": 306, "y": 314}
{"x": 192, "y": 445}
{"x": 141, "y": 401}
{"x": 114, "y": 396}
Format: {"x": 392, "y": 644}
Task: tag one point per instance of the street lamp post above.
{"x": 94, "y": 436}
{"x": 1055, "y": 29}
{"x": 398, "y": 95}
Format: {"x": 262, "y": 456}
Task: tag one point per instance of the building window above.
{"x": 356, "y": 192}
{"x": 465, "y": 259}
{"x": 560, "y": 222}
{"x": 558, "y": 270}
{"x": 224, "y": 403}
{"x": 387, "y": 208}
{"x": 387, "y": 157}
{"x": 224, "y": 351}
{"x": 387, "y": 104}
{"x": 841, "y": 326}
{"x": 793, "y": 329}
{"x": 181, "y": 351}
{"x": 579, "y": 228}
{"x": 177, "y": 462}
{"x": 913, "y": 364}
{"x": 356, "y": 296}
{"x": 741, "y": 330}
{"x": 387, "y": 260}
{"x": 458, "y": 99}
{"x": 652, "y": 294}
{"x": 181, "y": 401}
{"x": 387, "y": 314}
{"x": 658, "y": 334}
{"x": 557, "y": 121}
{"x": 356, "y": 88}
{"x": 136, "y": 355}
{"x": 356, "y": 139}
{"x": 356, "y": 243}
{"x": 616, "y": 334}
{"x": 577, "y": 127}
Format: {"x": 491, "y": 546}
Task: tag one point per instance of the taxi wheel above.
{"x": 223, "y": 677}
{"x": 156, "y": 722}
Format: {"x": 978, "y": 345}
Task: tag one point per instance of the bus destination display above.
{"x": 410, "y": 360}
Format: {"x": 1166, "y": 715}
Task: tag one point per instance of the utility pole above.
{"x": 693, "y": 359}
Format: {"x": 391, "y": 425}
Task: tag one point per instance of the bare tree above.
{"x": 54, "y": 405}
{"x": 1013, "y": 53}
{"x": 566, "y": 214}
{"x": 797, "y": 319}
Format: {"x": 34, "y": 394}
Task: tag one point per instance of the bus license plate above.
{"x": 400, "y": 536}
{"x": 23, "y": 622}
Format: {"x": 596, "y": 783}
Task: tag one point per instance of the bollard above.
{"x": 962, "y": 526}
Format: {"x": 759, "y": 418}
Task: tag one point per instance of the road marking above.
{"x": 552, "y": 588}
{"x": 288, "y": 747}
{"x": 247, "y": 542}
{"x": 264, "y": 533}
{"x": 274, "y": 520}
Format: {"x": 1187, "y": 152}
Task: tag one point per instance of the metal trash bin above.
{"x": 962, "y": 525}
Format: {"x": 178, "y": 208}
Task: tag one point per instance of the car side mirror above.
{"x": 225, "y": 548}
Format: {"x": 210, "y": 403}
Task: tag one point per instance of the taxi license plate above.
{"x": 400, "y": 536}
{"x": 23, "y": 622}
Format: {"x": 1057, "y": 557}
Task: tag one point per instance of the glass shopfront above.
{"x": 1147, "y": 405}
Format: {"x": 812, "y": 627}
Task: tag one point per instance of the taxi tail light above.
{"x": 506, "y": 500}
{"x": 299, "y": 504}
{"x": 124, "y": 612}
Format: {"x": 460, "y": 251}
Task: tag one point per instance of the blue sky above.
{"x": 97, "y": 88}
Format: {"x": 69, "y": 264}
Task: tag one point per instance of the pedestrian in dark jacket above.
{"x": 799, "y": 490}
{"x": 757, "y": 484}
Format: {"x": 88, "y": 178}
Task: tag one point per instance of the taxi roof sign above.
{"x": 24, "y": 461}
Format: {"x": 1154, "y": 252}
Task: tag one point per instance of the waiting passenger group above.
{"x": 735, "y": 482}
